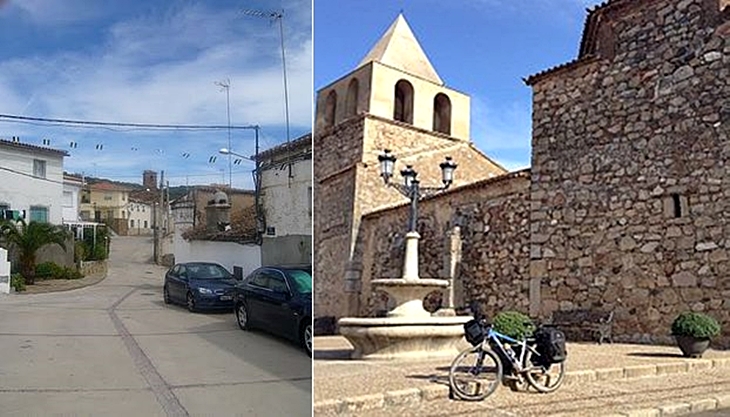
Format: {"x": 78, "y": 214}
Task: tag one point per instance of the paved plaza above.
{"x": 609, "y": 379}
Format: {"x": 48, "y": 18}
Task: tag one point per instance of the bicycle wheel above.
{"x": 544, "y": 378}
{"x": 475, "y": 374}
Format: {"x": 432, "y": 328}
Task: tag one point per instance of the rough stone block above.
{"x": 671, "y": 368}
{"x": 363, "y": 403}
{"x": 580, "y": 377}
{"x": 329, "y": 408}
{"x": 638, "y": 371}
{"x": 703, "y": 405}
{"x": 723, "y": 400}
{"x": 644, "y": 412}
{"x": 684, "y": 279}
{"x": 699, "y": 365}
{"x": 609, "y": 374}
{"x": 675, "y": 409}
{"x": 403, "y": 397}
{"x": 722, "y": 363}
{"x": 434, "y": 392}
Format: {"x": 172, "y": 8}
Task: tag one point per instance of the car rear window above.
{"x": 302, "y": 280}
{"x": 202, "y": 271}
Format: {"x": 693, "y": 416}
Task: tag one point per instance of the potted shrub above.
{"x": 693, "y": 332}
{"x": 513, "y": 324}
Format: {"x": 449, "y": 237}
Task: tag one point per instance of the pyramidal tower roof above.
{"x": 398, "y": 48}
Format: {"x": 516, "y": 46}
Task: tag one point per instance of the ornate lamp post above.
{"x": 412, "y": 189}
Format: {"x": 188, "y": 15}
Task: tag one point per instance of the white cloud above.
{"x": 57, "y": 11}
{"x": 163, "y": 70}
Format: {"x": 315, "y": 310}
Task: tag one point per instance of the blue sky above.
{"x": 480, "y": 47}
{"x": 154, "y": 61}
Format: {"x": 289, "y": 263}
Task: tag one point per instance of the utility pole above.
{"x": 162, "y": 205}
{"x": 226, "y": 85}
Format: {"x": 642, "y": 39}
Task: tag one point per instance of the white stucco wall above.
{"x": 20, "y": 190}
{"x": 139, "y": 213}
{"x": 228, "y": 254}
{"x": 70, "y": 211}
{"x": 288, "y": 208}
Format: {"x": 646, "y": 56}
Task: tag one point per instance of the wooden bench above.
{"x": 585, "y": 324}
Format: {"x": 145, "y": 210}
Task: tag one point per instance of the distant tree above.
{"x": 26, "y": 239}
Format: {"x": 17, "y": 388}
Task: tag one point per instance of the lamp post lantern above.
{"x": 412, "y": 189}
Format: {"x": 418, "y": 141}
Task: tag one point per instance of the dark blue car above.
{"x": 277, "y": 299}
{"x": 199, "y": 285}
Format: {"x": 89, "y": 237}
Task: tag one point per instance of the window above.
{"x": 276, "y": 282}
{"x": 131, "y": 223}
{"x": 39, "y": 168}
{"x": 675, "y": 206}
{"x": 403, "y": 106}
{"x": 145, "y": 224}
{"x": 68, "y": 199}
{"x": 442, "y": 114}
{"x": 107, "y": 196}
{"x": 330, "y": 109}
{"x": 259, "y": 280}
{"x": 39, "y": 214}
{"x": 351, "y": 102}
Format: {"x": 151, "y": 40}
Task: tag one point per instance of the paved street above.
{"x": 115, "y": 349}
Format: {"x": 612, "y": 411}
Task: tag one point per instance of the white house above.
{"x": 72, "y": 186}
{"x": 286, "y": 194}
{"x": 140, "y": 215}
{"x": 31, "y": 180}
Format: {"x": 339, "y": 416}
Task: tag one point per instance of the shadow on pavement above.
{"x": 332, "y": 354}
{"x": 279, "y": 356}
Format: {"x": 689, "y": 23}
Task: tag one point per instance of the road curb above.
{"x": 414, "y": 396}
{"x": 716, "y": 402}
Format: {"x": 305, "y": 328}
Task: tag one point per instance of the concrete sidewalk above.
{"x": 353, "y": 387}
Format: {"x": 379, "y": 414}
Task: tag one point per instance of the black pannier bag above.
{"x": 474, "y": 332}
{"x": 550, "y": 344}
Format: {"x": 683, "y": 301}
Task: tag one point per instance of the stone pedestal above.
{"x": 404, "y": 338}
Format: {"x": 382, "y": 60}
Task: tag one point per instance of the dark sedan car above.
{"x": 199, "y": 285}
{"x": 277, "y": 299}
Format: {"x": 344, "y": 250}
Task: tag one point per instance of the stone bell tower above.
{"x": 394, "y": 99}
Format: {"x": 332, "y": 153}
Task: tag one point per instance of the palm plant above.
{"x": 26, "y": 239}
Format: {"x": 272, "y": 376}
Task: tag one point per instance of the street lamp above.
{"x": 412, "y": 189}
{"x": 226, "y": 151}
{"x": 411, "y": 186}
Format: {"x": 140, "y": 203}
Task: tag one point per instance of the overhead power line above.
{"x": 10, "y": 117}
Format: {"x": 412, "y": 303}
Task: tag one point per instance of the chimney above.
{"x": 218, "y": 213}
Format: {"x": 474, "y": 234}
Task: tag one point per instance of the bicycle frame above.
{"x": 498, "y": 339}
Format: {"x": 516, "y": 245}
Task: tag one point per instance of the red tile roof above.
{"x": 107, "y": 186}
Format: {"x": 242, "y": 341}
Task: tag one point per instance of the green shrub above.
{"x": 48, "y": 270}
{"x": 18, "y": 282}
{"x": 699, "y": 325}
{"x": 513, "y": 324}
{"x": 51, "y": 270}
{"x": 71, "y": 273}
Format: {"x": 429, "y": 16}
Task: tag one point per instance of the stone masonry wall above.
{"x": 630, "y": 200}
{"x": 334, "y": 189}
{"x": 493, "y": 216}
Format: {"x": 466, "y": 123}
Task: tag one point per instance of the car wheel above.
{"x": 191, "y": 303}
{"x": 166, "y": 295}
{"x": 306, "y": 337}
{"x": 242, "y": 317}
